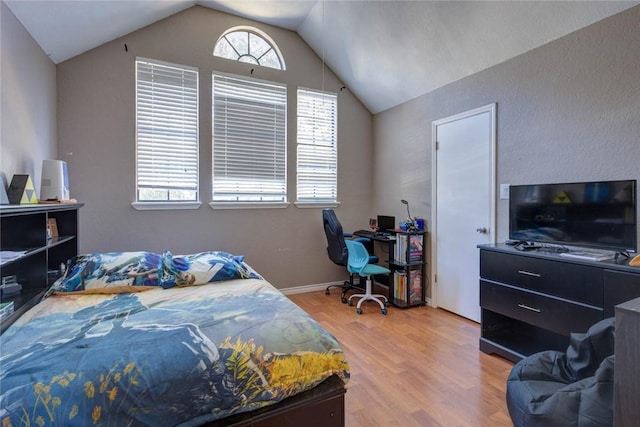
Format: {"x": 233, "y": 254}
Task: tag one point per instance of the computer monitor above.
{"x": 386, "y": 223}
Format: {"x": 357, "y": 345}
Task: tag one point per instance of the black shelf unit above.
{"x": 24, "y": 228}
{"x": 409, "y": 262}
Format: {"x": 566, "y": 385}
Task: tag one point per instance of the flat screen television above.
{"x": 585, "y": 214}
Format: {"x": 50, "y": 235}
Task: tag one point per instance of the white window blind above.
{"x": 317, "y": 150}
{"x": 166, "y": 132}
{"x": 249, "y": 140}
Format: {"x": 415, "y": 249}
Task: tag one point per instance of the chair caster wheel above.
{"x": 343, "y": 300}
{"x": 350, "y": 303}
{"x": 359, "y": 310}
{"x": 386, "y": 303}
{"x": 326, "y": 292}
{"x": 383, "y": 311}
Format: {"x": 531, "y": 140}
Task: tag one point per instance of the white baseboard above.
{"x": 308, "y": 288}
{"x": 322, "y": 287}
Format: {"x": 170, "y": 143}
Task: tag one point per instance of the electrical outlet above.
{"x": 504, "y": 191}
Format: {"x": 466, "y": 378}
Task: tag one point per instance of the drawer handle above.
{"x": 526, "y": 307}
{"x": 528, "y": 273}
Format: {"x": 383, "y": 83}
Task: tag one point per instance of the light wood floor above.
{"x": 413, "y": 367}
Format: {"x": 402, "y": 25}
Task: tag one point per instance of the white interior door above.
{"x": 464, "y": 200}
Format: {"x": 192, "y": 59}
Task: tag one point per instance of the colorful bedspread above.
{"x": 179, "y": 356}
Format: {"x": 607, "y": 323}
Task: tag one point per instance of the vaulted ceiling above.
{"x": 386, "y": 52}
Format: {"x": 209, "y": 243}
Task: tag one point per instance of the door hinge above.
{"x": 437, "y": 145}
{"x": 435, "y": 278}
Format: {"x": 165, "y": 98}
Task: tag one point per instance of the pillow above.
{"x": 203, "y": 267}
{"x": 115, "y": 272}
{"x": 109, "y": 270}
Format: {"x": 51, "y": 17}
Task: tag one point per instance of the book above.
{"x": 399, "y": 282}
{"x": 589, "y": 255}
{"x": 6, "y": 309}
{"x": 57, "y": 202}
{"x": 6, "y": 256}
{"x": 415, "y": 286}
{"x": 400, "y": 252}
{"x": 415, "y": 247}
{"x": 52, "y": 228}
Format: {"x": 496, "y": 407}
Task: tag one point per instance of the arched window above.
{"x": 247, "y": 44}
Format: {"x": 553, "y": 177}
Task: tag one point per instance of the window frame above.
{"x": 236, "y": 138}
{"x": 190, "y": 122}
{"x": 312, "y": 144}
{"x": 250, "y": 31}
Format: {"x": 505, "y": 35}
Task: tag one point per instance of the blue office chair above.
{"x": 337, "y": 251}
{"x": 358, "y": 263}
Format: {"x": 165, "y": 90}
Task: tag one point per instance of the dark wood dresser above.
{"x": 532, "y": 300}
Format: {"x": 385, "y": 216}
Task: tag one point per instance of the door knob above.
{"x": 482, "y": 230}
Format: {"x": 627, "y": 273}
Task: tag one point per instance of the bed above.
{"x": 127, "y": 339}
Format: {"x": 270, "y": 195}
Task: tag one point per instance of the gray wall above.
{"x": 96, "y": 131}
{"x": 566, "y": 111}
{"x": 27, "y": 102}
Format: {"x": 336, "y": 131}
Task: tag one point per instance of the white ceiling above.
{"x": 386, "y": 52}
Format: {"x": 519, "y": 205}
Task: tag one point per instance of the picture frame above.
{"x": 52, "y": 228}
{"x": 4, "y": 199}
{"x": 21, "y": 190}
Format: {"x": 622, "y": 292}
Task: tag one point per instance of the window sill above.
{"x": 159, "y": 206}
{"x": 249, "y": 205}
{"x": 317, "y": 205}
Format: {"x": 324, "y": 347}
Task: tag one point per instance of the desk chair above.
{"x": 359, "y": 263}
{"x": 337, "y": 250}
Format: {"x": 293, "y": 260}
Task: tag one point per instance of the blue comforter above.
{"x": 179, "y": 356}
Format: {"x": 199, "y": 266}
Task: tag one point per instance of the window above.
{"x": 246, "y": 44}
{"x": 317, "y": 172}
{"x": 249, "y": 140}
{"x": 166, "y": 132}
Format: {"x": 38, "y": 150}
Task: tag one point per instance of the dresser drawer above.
{"x": 557, "y": 315}
{"x": 562, "y": 279}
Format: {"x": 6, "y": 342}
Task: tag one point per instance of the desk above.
{"x": 405, "y": 257}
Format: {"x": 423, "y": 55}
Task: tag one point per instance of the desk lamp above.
{"x": 412, "y": 225}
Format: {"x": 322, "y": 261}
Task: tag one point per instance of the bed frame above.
{"x": 322, "y": 406}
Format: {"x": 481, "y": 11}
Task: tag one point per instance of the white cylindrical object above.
{"x": 55, "y": 180}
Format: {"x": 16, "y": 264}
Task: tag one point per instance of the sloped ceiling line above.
{"x": 386, "y": 52}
